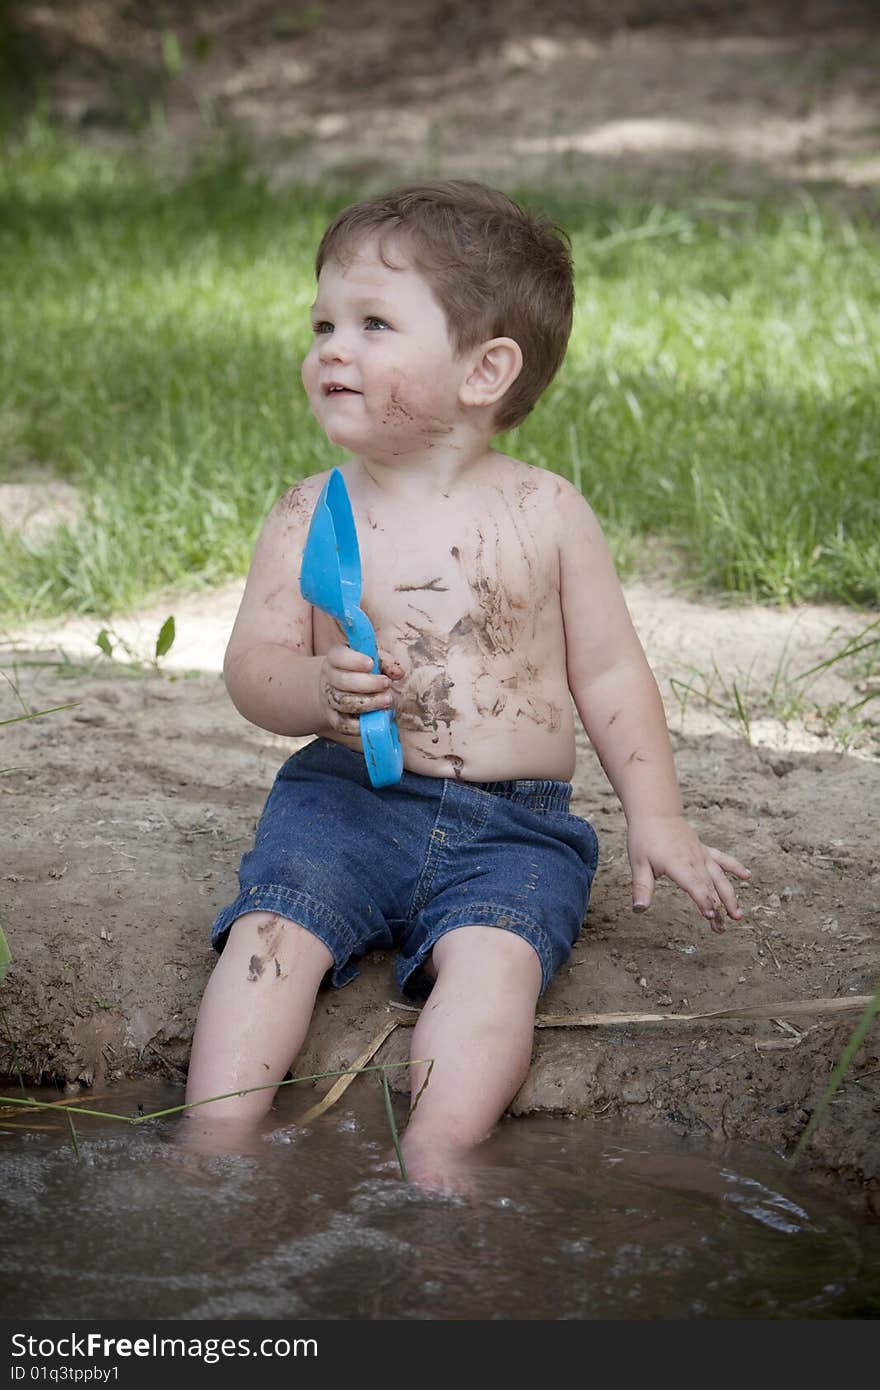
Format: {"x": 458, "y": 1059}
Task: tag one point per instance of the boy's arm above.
{"x": 620, "y": 707}
{"x": 271, "y": 672}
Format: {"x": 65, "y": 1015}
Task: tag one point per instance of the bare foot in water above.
{"x": 447, "y": 1171}
{"x": 197, "y": 1133}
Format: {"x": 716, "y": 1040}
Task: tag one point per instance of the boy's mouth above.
{"x": 335, "y": 388}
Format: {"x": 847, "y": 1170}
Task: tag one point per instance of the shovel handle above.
{"x": 382, "y": 750}
{"x": 378, "y": 728}
{"x": 360, "y": 635}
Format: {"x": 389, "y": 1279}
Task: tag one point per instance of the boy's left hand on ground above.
{"x": 667, "y": 845}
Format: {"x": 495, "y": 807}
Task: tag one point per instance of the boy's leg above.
{"x": 477, "y": 1025}
{"x": 254, "y": 1016}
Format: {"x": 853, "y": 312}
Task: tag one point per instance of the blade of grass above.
{"x": 15, "y": 1066}
{"x": 38, "y": 713}
{"x": 858, "y": 1036}
{"x": 855, "y": 645}
{"x": 76, "y": 1109}
{"x": 73, "y": 1135}
{"x": 742, "y": 713}
{"x": 53, "y": 1104}
{"x": 423, "y": 1086}
{"x": 389, "y": 1111}
{"x": 194, "y": 1104}
{"x": 15, "y": 690}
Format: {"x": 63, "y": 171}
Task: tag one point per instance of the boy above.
{"x": 442, "y": 313}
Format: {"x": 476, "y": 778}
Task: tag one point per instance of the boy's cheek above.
{"x": 309, "y": 379}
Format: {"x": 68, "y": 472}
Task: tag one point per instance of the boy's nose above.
{"x": 334, "y": 349}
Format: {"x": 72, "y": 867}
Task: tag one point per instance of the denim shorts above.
{"x": 399, "y": 867}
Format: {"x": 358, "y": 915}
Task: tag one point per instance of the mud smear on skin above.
{"x": 525, "y": 488}
{"x": 456, "y": 762}
{"x": 493, "y": 628}
{"x": 426, "y": 703}
{"x": 494, "y": 701}
{"x": 397, "y": 415}
{"x": 295, "y": 505}
{"x": 271, "y": 933}
{"x": 494, "y": 623}
{"x": 426, "y": 708}
{"x": 541, "y": 712}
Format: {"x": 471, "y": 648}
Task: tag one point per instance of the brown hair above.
{"x": 495, "y": 269}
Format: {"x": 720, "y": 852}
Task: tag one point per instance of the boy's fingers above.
{"x": 359, "y": 682}
{"x": 389, "y": 666}
{"x": 728, "y": 863}
{"x": 345, "y": 658}
{"x": 347, "y": 726}
{"x": 700, "y": 887}
{"x": 350, "y": 702}
{"x": 725, "y": 892}
{"x": 642, "y": 889}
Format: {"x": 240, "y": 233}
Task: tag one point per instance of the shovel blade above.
{"x": 319, "y": 579}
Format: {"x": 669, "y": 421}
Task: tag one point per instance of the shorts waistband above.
{"x": 536, "y": 793}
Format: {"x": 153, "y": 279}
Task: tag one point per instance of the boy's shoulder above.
{"x": 292, "y": 511}
{"x": 531, "y": 483}
{"x": 302, "y": 495}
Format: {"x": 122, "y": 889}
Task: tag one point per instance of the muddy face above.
{"x": 405, "y": 411}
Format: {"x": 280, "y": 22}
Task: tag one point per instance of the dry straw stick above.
{"x": 791, "y": 1008}
{"x": 341, "y": 1086}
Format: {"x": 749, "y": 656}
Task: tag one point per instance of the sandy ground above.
{"x": 124, "y": 817}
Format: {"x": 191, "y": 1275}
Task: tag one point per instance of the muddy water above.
{"x": 566, "y": 1219}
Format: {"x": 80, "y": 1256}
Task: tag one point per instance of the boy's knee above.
{"x": 480, "y": 950}
{"x": 267, "y": 935}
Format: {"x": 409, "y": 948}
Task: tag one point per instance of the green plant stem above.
{"x": 38, "y": 713}
{"x": 858, "y": 1036}
{"x": 389, "y": 1111}
{"x": 15, "y": 1065}
{"x": 193, "y": 1104}
{"x": 73, "y": 1135}
{"x": 424, "y": 1084}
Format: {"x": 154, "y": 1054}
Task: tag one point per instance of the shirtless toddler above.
{"x": 442, "y": 313}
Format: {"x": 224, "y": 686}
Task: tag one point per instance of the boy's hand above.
{"x": 347, "y": 688}
{"x": 667, "y": 845}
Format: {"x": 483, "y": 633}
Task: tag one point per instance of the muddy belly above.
{"x": 478, "y": 731}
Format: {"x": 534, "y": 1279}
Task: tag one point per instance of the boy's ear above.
{"x": 493, "y": 367}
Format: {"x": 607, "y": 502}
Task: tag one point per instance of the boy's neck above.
{"x": 440, "y": 468}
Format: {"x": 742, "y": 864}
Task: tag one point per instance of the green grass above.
{"x": 719, "y": 393}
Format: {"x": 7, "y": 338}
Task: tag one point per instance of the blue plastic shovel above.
{"x": 330, "y": 578}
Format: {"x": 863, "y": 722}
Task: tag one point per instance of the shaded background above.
{"x": 733, "y": 92}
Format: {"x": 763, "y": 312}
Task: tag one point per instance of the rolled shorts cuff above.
{"x": 300, "y": 907}
{"x": 408, "y": 968}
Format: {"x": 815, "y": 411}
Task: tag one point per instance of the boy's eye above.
{"x": 322, "y": 326}
{"x": 372, "y": 323}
